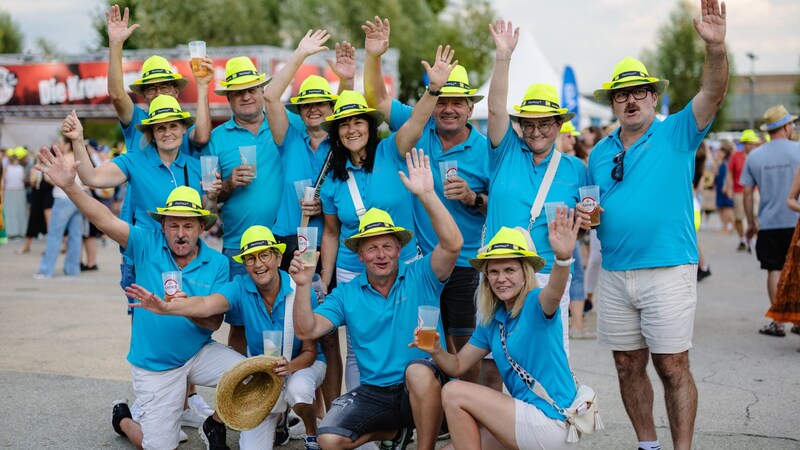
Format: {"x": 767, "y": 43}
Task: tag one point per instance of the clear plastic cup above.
{"x": 172, "y": 282}
{"x": 427, "y": 321}
{"x": 307, "y": 244}
{"x": 208, "y": 170}
{"x": 273, "y": 343}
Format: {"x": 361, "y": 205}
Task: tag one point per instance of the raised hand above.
{"x": 72, "y": 128}
{"x": 313, "y": 42}
{"x": 377, "y": 36}
{"x": 53, "y": 164}
{"x": 147, "y": 299}
{"x": 440, "y": 71}
{"x": 505, "y": 38}
{"x": 345, "y": 65}
{"x": 712, "y": 24}
{"x": 420, "y": 178}
{"x": 117, "y": 26}
{"x": 563, "y": 232}
{"x": 208, "y": 64}
{"x": 302, "y": 275}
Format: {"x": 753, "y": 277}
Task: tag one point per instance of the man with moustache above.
{"x": 647, "y": 288}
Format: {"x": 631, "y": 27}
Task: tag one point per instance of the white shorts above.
{"x": 301, "y": 385}
{"x": 262, "y": 437}
{"x": 160, "y": 395}
{"x": 534, "y": 430}
{"x": 542, "y": 279}
{"x": 647, "y": 308}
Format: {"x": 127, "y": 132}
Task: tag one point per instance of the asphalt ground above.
{"x": 64, "y": 341}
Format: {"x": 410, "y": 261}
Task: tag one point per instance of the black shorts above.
{"x": 458, "y": 302}
{"x": 772, "y": 247}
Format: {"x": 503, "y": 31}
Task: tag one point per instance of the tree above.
{"x": 679, "y": 56}
{"x": 10, "y": 34}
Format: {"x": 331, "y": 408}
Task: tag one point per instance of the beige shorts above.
{"x": 534, "y": 430}
{"x": 647, "y": 308}
{"x": 738, "y": 205}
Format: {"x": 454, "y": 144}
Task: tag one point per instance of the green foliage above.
{"x": 417, "y": 27}
{"x": 10, "y": 34}
{"x": 103, "y": 132}
{"x": 797, "y": 94}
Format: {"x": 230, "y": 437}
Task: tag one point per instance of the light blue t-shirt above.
{"x": 513, "y": 185}
{"x": 380, "y": 328}
{"x": 381, "y": 189}
{"x": 245, "y": 301}
{"x": 648, "y": 220}
{"x": 165, "y": 342}
{"x": 300, "y": 162}
{"x": 473, "y": 167}
{"x": 258, "y": 202}
{"x": 772, "y": 167}
{"x": 150, "y": 181}
{"x": 535, "y": 342}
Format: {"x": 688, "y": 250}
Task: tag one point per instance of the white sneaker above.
{"x": 297, "y": 431}
{"x": 199, "y": 405}
{"x": 41, "y": 276}
{"x": 183, "y": 437}
{"x": 190, "y": 418}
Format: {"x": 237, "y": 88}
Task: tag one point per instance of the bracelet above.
{"x": 434, "y": 93}
{"x": 564, "y": 262}
{"x": 326, "y": 270}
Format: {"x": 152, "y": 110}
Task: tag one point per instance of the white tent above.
{"x": 529, "y": 65}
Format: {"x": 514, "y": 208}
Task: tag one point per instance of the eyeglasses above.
{"x": 265, "y": 257}
{"x": 619, "y": 168}
{"x": 638, "y": 94}
{"x": 543, "y": 127}
{"x": 249, "y": 91}
{"x": 161, "y": 88}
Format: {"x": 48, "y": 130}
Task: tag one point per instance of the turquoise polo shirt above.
{"x": 258, "y": 202}
{"x": 166, "y": 342}
{"x": 245, "y": 301}
{"x": 513, "y": 185}
{"x": 300, "y": 162}
{"x": 381, "y": 328}
{"x": 535, "y": 342}
{"x": 381, "y": 189}
{"x": 150, "y": 181}
{"x": 649, "y": 216}
{"x": 473, "y": 167}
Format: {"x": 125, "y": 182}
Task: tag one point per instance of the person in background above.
{"x": 724, "y": 202}
{"x": 733, "y": 188}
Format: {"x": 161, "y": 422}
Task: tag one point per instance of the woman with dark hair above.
{"x": 41, "y": 203}
{"x": 364, "y": 174}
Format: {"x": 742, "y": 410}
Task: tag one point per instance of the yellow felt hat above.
{"x": 628, "y": 72}
{"x": 157, "y": 69}
{"x": 20, "y": 152}
{"x": 377, "y": 222}
{"x": 749, "y": 137}
{"x": 165, "y": 108}
{"x": 314, "y": 89}
{"x": 509, "y": 243}
{"x": 241, "y": 74}
{"x": 457, "y": 85}
{"x": 256, "y": 239}
{"x": 351, "y": 103}
{"x": 568, "y": 127}
{"x": 184, "y": 201}
{"x": 540, "y": 100}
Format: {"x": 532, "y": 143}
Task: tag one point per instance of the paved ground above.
{"x": 64, "y": 342}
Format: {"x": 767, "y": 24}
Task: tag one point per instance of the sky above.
{"x": 590, "y": 35}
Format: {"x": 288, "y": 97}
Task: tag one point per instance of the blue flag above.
{"x": 665, "y": 104}
{"x": 570, "y": 95}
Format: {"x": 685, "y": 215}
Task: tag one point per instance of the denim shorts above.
{"x": 368, "y": 409}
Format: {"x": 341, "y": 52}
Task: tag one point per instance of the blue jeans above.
{"x": 63, "y": 216}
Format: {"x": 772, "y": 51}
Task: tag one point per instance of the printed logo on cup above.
{"x": 302, "y": 243}
{"x": 451, "y": 172}
{"x": 170, "y": 286}
{"x": 589, "y": 204}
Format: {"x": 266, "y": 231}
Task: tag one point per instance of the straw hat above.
{"x": 247, "y": 392}
{"x": 314, "y": 89}
{"x": 457, "y": 85}
{"x": 156, "y": 69}
{"x": 165, "y": 108}
{"x": 351, "y": 103}
{"x": 749, "y": 137}
{"x": 776, "y": 117}
{"x": 241, "y": 74}
{"x": 184, "y": 201}
{"x": 255, "y": 239}
{"x": 568, "y": 127}
{"x": 627, "y": 73}
{"x": 509, "y": 243}
{"x": 540, "y": 100}
{"x": 377, "y": 222}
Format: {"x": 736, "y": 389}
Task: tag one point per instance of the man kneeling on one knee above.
{"x": 399, "y": 389}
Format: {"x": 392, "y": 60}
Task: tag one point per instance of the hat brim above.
{"x": 244, "y": 406}
{"x": 778, "y": 124}
{"x": 469, "y": 94}
{"x": 750, "y": 141}
{"x": 259, "y": 81}
{"x": 210, "y": 219}
{"x": 139, "y": 85}
{"x": 374, "y": 113}
{"x": 536, "y": 261}
{"x": 280, "y": 247}
{"x": 604, "y": 95}
{"x": 185, "y": 117}
{"x": 294, "y": 106}
{"x": 403, "y": 235}
{"x": 516, "y": 116}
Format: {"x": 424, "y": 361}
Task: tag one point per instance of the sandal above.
{"x": 796, "y": 329}
{"x": 773, "y": 329}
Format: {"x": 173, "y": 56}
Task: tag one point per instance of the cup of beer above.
{"x": 248, "y": 155}
{"x": 208, "y": 171}
{"x": 307, "y": 244}
{"x": 428, "y": 318}
{"x": 197, "y": 51}
{"x": 589, "y": 199}
{"x": 273, "y": 343}
{"x": 447, "y": 170}
{"x": 173, "y": 282}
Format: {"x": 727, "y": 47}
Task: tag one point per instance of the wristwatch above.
{"x": 434, "y": 93}
{"x": 478, "y": 202}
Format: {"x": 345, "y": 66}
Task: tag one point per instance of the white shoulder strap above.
{"x": 536, "y": 209}
{"x": 355, "y": 195}
{"x": 288, "y": 322}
